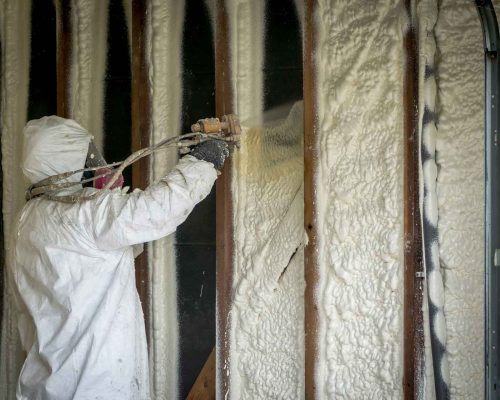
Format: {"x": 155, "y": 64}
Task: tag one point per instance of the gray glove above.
{"x": 213, "y": 151}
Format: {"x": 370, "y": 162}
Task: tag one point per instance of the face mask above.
{"x": 95, "y": 159}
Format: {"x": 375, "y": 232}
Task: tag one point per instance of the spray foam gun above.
{"x": 227, "y": 128}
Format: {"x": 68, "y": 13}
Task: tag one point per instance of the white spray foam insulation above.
{"x": 15, "y": 59}
{"x": 89, "y": 36}
{"x": 165, "y": 27}
{"x": 460, "y": 190}
{"x": 246, "y": 55}
{"x": 267, "y": 338}
{"x": 246, "y": 47}
{"x": 359, "y": 64}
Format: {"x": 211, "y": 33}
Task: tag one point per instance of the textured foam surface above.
{"x": 267, "y": 316}
{"x": 246, "y": 47}
{"x": 15, "y": 47}
{"x": 359, "y": 194}
{"x": 460, "y": 190}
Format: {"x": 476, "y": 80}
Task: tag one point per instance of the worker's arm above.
{"x": 121, "y": 220}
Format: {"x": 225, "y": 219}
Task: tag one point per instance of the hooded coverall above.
{"x": 80, "y": 319}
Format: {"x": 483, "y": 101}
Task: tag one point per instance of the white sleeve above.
{"x": 121, "y": 220}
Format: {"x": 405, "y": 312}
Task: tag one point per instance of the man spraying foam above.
{"x": 80, "y": 318}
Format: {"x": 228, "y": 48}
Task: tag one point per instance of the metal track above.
{"x": 492, "y": 198}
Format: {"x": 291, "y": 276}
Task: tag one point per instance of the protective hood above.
{"x": 53, "y": 145}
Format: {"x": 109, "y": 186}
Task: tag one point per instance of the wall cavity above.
{"x": 460, "y": 191}
{"x": 266, "y": 347}
{"x": 246, "y": 54}
{"x": 359, "y": 198}
{"x": 165, "y": 26}
{"x": 267, "y": 329}
{"x": 15, "y": 60}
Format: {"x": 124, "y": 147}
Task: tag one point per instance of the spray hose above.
{"x": 208, "y": 129}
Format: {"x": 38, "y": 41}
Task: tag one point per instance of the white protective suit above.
{"x": 80, "y": 318}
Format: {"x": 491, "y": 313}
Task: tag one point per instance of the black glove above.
{"x": 213, "y": 151}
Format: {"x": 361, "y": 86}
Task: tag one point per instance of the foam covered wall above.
{"x": 266, "y": 331}
{"x": 15, "y": 60}
{"x": 359, "y": 196}
{"x": 359, "y": 66}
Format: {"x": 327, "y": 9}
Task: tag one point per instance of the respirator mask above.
{"x": 103, "y": 175}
